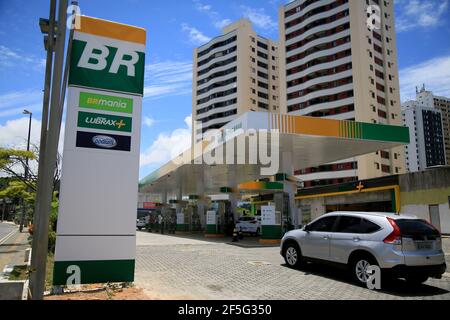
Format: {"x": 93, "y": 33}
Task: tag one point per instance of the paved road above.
{"x": 12, "y": 250}
{"x": 5, "y": 229}
{"x": 172, "y": 267}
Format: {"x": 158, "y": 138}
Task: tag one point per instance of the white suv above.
{"x": 402, "y": 246}
{"x": 249, "y": 224}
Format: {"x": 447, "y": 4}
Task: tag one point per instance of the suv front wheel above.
{"x": 292, "y": 255}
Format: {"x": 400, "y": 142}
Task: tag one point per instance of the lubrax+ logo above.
{"x": 104, "y": 121}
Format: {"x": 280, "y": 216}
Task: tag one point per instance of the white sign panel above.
{"x": 180, "y": 218}
{"x": 211, "y": 217}
{"x": 96, "y": 230}
{"x": 268, "y": 216}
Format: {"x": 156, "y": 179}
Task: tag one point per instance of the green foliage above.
{"x": 13, "y": 156}
{"x": 16, "y": 186}
{"x": 18, "y": 190}
{"x": 52, "y": 226}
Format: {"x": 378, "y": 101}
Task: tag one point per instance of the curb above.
{"x": 269, "y": 241}
{"x": 212, "y": 236}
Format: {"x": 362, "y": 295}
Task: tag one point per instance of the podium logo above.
{"x": 96, "y": 140}
{"x": 104, "y": 141}
{"x": 104, "y": 121}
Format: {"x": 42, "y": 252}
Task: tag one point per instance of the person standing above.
{"x": 161, "y": 223}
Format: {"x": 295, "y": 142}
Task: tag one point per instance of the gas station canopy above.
{"x": 302, "y": 142}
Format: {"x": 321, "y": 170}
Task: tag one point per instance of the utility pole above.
{"x": 45, "y": 187}
{"x": 48, "y": 29}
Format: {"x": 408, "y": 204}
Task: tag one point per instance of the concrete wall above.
{"x": 11, "y": 290}
{"x": 421, "y": 189}
{"x": 318, "y": 205}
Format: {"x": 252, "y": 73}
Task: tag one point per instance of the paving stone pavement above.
{"x": 171, "y": 267}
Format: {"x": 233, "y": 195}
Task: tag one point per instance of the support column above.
{"x": 201, "y": 200}
{"x": 234, "y": 194}
{"x": 179, "y": 205}
{"x": 290, "y": 188}
{"x": 182, "y": 219}
{"x": 163, "y": 210}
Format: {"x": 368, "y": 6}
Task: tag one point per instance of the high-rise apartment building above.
{"x": 336, "y": 66}
{"x": 428, "y": 120}
{"x": 232, "y": 74}
{"x": 428, "y": 99}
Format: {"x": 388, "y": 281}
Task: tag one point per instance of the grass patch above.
{"x": 19, "y": 273}
{"x": 49, "y": 272}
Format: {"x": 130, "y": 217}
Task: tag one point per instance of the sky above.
{"x": 174, "y": 29}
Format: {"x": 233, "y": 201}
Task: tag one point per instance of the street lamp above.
{"x": 26, "y": 165}
{"x": 25, "y": 111}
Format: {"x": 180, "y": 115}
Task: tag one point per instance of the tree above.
{"x": 15, "y": 186}
{"x": 14, "y": 163}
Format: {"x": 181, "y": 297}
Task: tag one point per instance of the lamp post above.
{"x": 22, "y": 218}
{"x": 29, "y": 135}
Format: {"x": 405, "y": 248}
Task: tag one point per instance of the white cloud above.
{"x": 14, "y": 133}
{"x": 148, "y": 121}
{"x": 19, "y": 98}
{"x": 14, "y": 58}
{"x": 168, "y": 78}
{"x": 168, "y": 145}
{"x": 196, "y": 37}
{"x": 259, "y": 18}
{"x": 217, "y": 21}
{"x": 434, "y": 73}
{"x": 13, "y": 103}
{"x": 414, "y": 14}
{"x": 222, "y": 23}
{"x": 202, "y": 7}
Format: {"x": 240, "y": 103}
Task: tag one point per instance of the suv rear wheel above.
{"x": 292, "y": 255}
{"x": 359, "y": 266}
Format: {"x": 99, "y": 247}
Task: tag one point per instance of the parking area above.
{"x": 191, "y": 267}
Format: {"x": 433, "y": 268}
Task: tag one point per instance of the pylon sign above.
{"x": 96, "y": 232}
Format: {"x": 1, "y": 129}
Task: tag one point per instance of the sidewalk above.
{"x": 12, "y": 251}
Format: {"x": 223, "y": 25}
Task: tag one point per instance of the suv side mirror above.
{"x": 307, "y": 228}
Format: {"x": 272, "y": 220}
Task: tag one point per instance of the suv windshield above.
{"x": 416, "y": 228}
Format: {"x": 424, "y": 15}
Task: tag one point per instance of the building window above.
{"x": 384, "y": 154}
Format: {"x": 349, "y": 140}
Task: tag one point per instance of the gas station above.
{"x": 204, "y": 196}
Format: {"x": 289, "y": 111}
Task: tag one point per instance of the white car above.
{"x": 249, "y": 224}
{"x": 140, "y": 223}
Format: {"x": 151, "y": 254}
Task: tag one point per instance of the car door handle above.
{"x": 326, "y": 237}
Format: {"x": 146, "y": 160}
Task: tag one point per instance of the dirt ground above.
{"x": 102, "y": 293}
